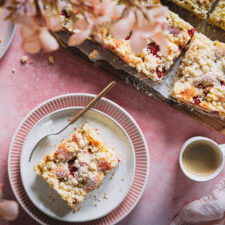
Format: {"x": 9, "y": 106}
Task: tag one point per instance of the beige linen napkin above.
{"x": 209, "y": 210}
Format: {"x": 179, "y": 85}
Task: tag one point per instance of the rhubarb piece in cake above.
{"x": 201, "y": 76}
{"x": 217, "y": 18}
{"x": 151, "y": 61}
{"x": 78, "y": 165}
{"x": 197, "y": 7}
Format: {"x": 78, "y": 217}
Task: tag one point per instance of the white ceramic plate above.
{"x": 79, "y": 100}
{"x": 46, "y": 199}
{"x": 7, "y": 32}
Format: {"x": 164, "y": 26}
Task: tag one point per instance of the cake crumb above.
{"x": 24, "y": 59}
{"x": 96, "y": 204}
{"x": 93, "y": 55}
{"x": 122, "y": 178}
{"x": 51, "y": 59}
{"x": 111, "y": 177}
{"x": 13, "y": 70}
{"x": 105, "y": 195}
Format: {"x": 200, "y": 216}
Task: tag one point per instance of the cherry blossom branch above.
{"x": 39, "y": 18}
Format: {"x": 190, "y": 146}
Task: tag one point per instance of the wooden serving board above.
{"x": 108, "y": 61}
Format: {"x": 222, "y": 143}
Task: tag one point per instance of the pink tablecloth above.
{"x": 165, "y": 129}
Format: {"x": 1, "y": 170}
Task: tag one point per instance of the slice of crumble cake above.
{"x": 151, "y": 62}
{"x": 217, "y": 18}
{"x": 197, "y": 7}
{"x": 78, "y": 165}
{"x": 201, "y": 76}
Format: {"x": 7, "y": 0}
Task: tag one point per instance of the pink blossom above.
{"x": 38, "y": 20}
{"x": 35, "y": 37}
{"x": 9, "y": 210}
{"x": 142, "y": 28}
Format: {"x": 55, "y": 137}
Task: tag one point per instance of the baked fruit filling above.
{"x": 151, "y": 62}
{"x": 78, "y": 165}
{"x": 201, "y": 76}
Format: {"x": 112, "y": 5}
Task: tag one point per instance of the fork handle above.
{"x": 92, "y": 102}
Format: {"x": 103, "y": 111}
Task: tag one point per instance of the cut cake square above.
{"x": 78, "y": 165}
{"x": 200, "y": 79}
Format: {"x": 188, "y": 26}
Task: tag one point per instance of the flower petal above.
{"x": 122, "y": 28}
{"x": 117, "y": 11}
{"x": 9, "y": 210}
{"x": 102, "y": 19}
{"x": 79, "y": 38}
{"x": 53, "y": 22}
{"x": 104, "y": 8}
{"x": 81, "y": 24}
{"x": 74, "y": 1}
{"x": 31, "y": 46}
{"x": 161, "y": 40}
{"x": 27, "y": 32}
{"x": 47, "y": 41}
{"x": 138, "y": 42}
{"x": 25, "y": 20}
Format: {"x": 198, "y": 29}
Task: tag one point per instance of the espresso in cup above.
{"x": 201, "y": 159}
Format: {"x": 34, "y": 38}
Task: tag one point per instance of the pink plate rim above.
{"x": 104, "y": 105}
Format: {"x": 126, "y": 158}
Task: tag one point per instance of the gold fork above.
{"x": 77, "y": 116}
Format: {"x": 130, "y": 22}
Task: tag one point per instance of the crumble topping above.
{"x": 217, "y": 18}
{"x": 93, "y": 55}
{"x": 78, "y": 165}
{"x": 197, "y": 7}
{"x": 201, "y": 76}
{"x": 151, "y": 62}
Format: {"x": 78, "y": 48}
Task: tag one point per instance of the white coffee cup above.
{"x": 211, "y": 143}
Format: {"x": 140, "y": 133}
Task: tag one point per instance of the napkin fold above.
{"x": 209, "y": 210}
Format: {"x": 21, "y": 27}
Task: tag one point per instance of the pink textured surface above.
{"x": 165, "y": 129}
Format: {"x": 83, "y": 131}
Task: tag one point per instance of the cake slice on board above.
{"x": 151, "y": 62}
{"x": 197, "y": 7}
{"x": 217, "y": 18}
{"x": 200, "y": 78}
